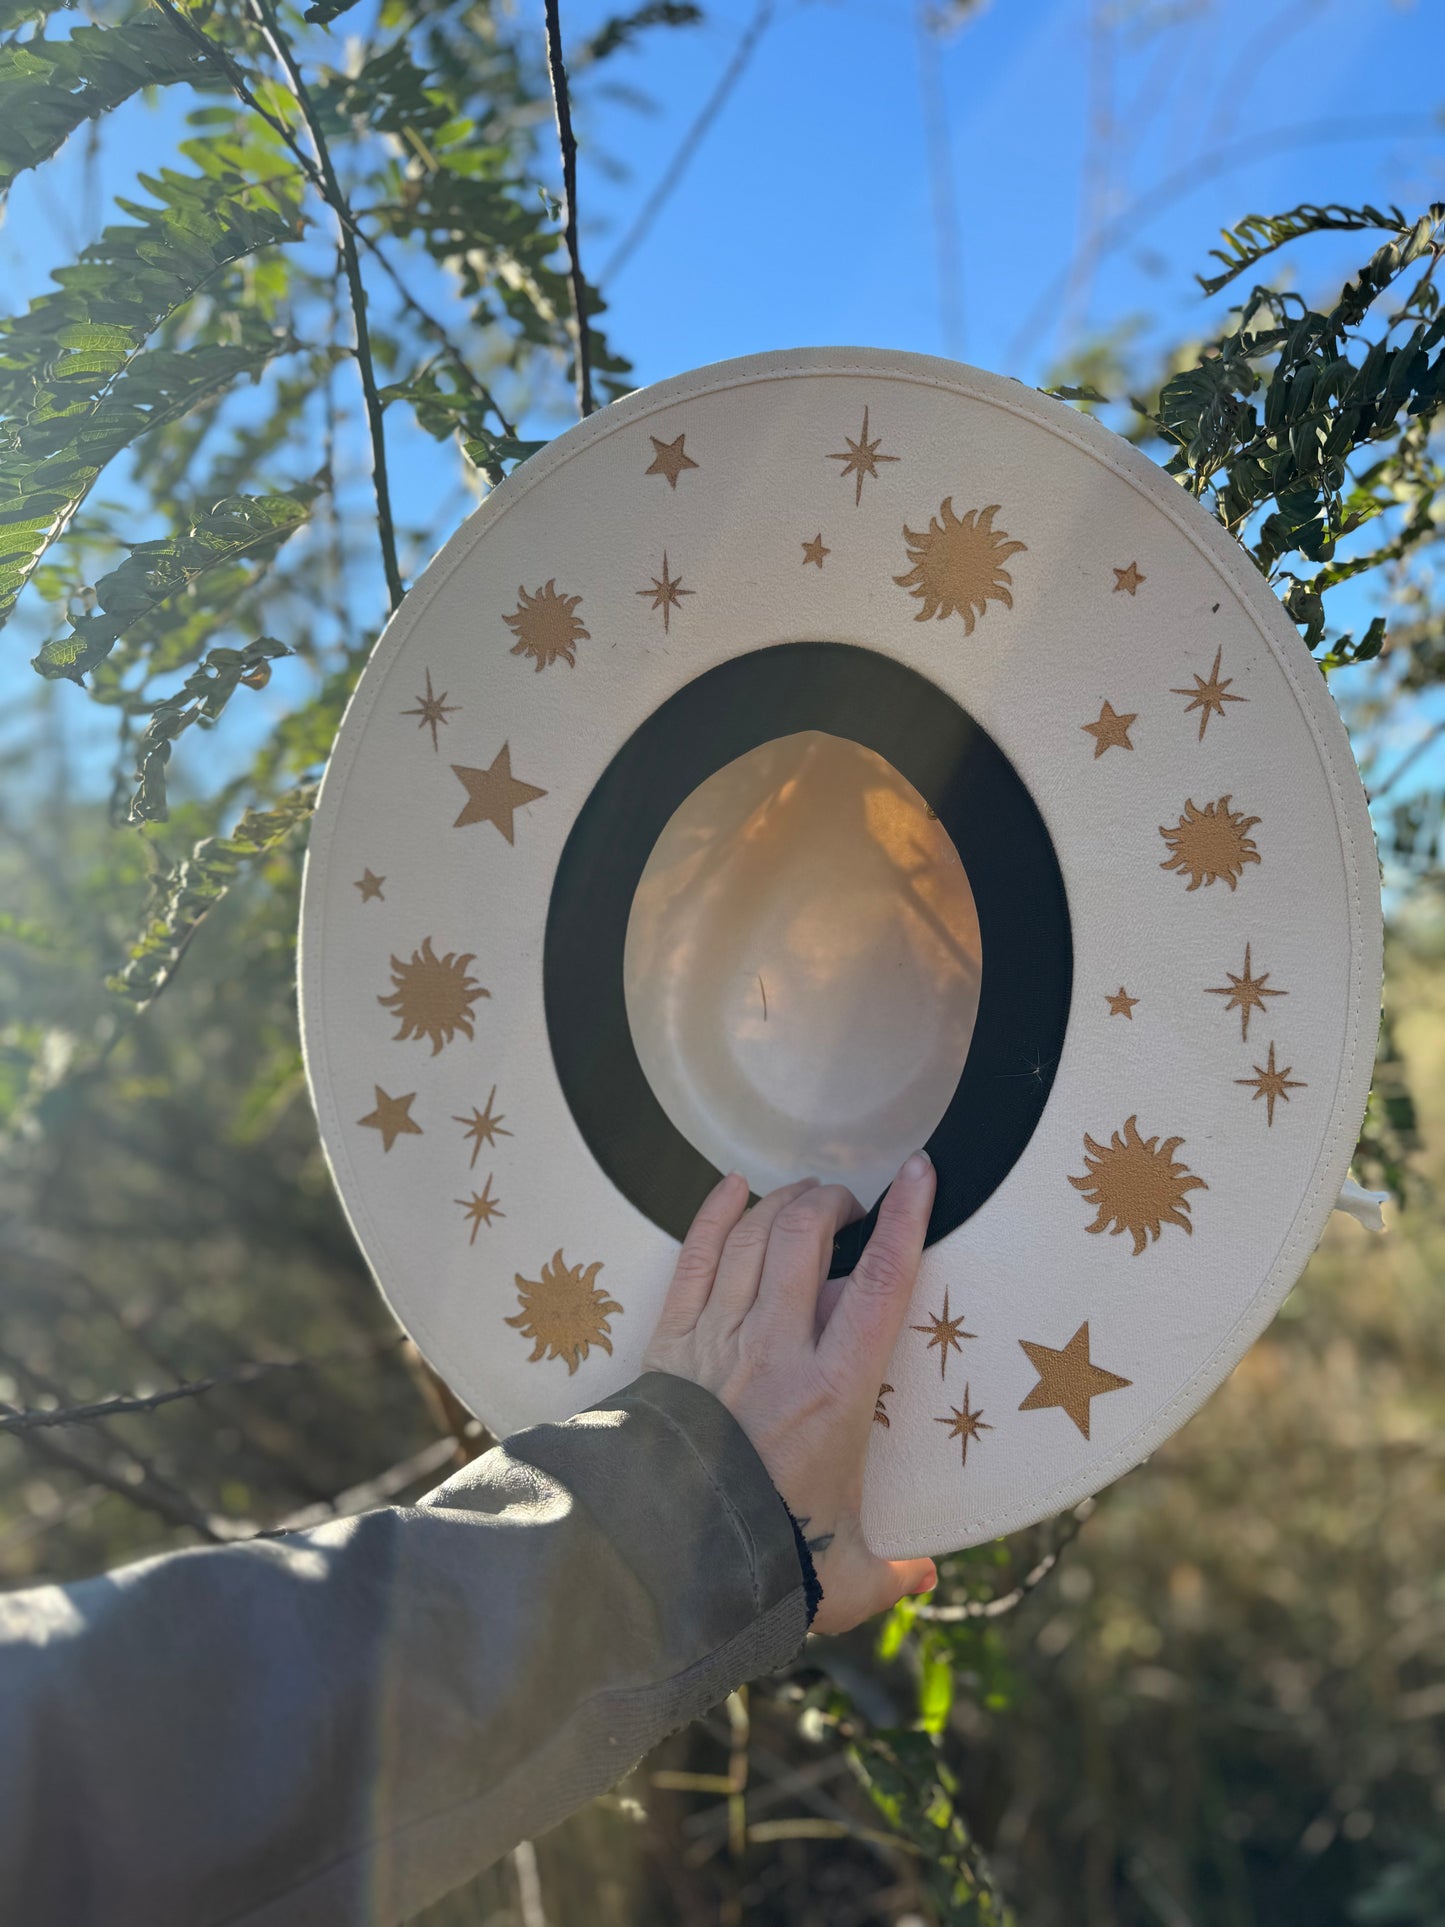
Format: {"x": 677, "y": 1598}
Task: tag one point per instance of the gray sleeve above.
{"x": 341, "y": 1725}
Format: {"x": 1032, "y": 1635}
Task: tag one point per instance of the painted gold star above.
{"x": 481, "y": 1208}
{"x": 965, "y": 1424}
{"x": 665, "y": 592}
{"x": 482, "y": 1127}
{"x": 1245, "y": 993}
{"x": 494, "y": 794}
{"x": 1111, "y": 731}
{"x": 392, "y": 1117}
{"x": 432, "y": 710}
{"x": 1271, "y": 1083}
{"x": 861, "y": 459}
{"x": 944, "y": 1331}
{"x": 670, "y": 459}
{"x": 1128, "y": 579}
{"x": 369, "y": 885}
{"x": 1121, "y": 1004}
{"x": 1209, "y": 697}
{"x": 880, "y": 1412}
{"x": 1068, "y": 1378}
{"x": 814, "y": 551}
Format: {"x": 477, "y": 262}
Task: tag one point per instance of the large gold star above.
{"x": 965, "y": 1424}
{"x": 670, "y": 459}
{"x": 1245, "y": 993}
{"x": 665, "y": 592}
{"x": 1271, "y": 1083}
{"x": 482, "y": 1127}
{"x": 1111, "y": 731}
{"x": 369, "y": 885}
{"x": 814, "y": 551}
{"x": 392, "y": 1117}
{"x": 1128, "y": 579}
{"x": 944, "y": 1331}
{"x": 1068, "y": 1378}
{"x": 481, "y": 1208}
{"x": 494, "y": 794}
{"x": 1121, "y": 1004}
{"x": 861, "y": 459}
{"x": 1209, "y": 697}
{"x": 432, "y": 710}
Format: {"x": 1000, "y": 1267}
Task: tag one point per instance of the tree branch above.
{"x": 568, "y": 144}
{"x": 1008, "y": 1602}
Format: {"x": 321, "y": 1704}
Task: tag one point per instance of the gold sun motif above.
{"x": 862, "y": 458}
{"x": 944, "y": 1331}
{"x": 1273, "y": 1084}
{"x": 880, "y": 1411}
{"x": 1209, "y": 694}
{"x": 665, "y": 593}
{"x": 483, "y": 1127}
{"x": 564, "y": 1312}
{"x": 546, "y": 626}
{"x": 433, "y": 995}
{"x": 1210, "y": 843}
{"x": 1137, "y": 1184}
{"x": 965, "y": 1424}
{"x": 958, "y": 565}
{"x": 432, "y": 709}
{"x": 481, "y": 1208}
{"x": 1246, "y": 993}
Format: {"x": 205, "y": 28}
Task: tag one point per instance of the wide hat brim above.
{"x": 1097, "y": 697}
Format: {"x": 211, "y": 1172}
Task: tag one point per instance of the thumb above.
{"x": 911, "y": 1576}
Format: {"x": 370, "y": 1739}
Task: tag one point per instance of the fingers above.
{"x": 864, "y": 1324}
{"x": 697, "y": 1262}
{"x": 800, "y": 1249}
{"x": 741, "y": 1265}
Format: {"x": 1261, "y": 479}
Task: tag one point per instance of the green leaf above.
{"x": 200, "y": 699}
{"x": 623, "y": 28}
{"x": 323, "y": 12}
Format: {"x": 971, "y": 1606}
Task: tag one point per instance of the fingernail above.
{"x": 916, "y": 1167}
{"x": 930, "y": 1586}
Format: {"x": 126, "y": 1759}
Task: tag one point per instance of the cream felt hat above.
{"x": 813, "y": 756}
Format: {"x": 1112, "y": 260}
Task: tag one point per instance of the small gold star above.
{"x": 432, "y": 710}
{"x": 1209, "y": 697}
{"x": 665, "y": 592}
{"x": 861, "y": 459}
{"x": 1111, "y": 731}
{"x": 392, "y": 1117}
{"x": 880, "y": 1415}
{"x": 1129, "y": 579}
{"x": 670, "y": 459}
{"x": 494, "y": 794}
{"x": 1121, "y": 1004}
{"x": 1245, "y": 994}
{"x": 1272, "y": 1083}
{"x": 481, "y": 1208}
{"x": 369, "y": 885}
{"x": 945, "y": 1331}
{"x": 965, "y": 1424}
{"x": 1068, "y": 1378}
{"x": 482, "y": 1127}
{"x": 814, "y": 551}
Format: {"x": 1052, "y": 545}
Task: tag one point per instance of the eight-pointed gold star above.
{"x": 814, "y": 551}
{"x": 1128, "y": 579}
{"x": 1245, "y": 993}
{"x": 665, "y": 592}
{"x": 369, "y": 885}
{"x": 965, "y": 1424}
{"x": 494, "y": 794}
{"x": 1271, "y": 1083}
{"x": 1121, "y": 1004}
{"x": 670, "y": 459}
{"x": 1209, "y": 697}
{"x": 1068, "y": 1378}
{"x": 1111, "y": 731}
{"x": 944, "y": 1331}
{"x": 861, "y": 459}
{"x": 481, "y": 1208}
{"x": 432, "y": 710}
{"x": 482, "y": 1127}
{"x": 392, "y": 1117}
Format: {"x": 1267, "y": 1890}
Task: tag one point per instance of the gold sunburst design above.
{"x": 1245, "y": 992}
{"x": 861, "y": 459}
{"x": 433, "y": 995}
{"x": 1137, "y": 1184}
{"x": 1209, "y": 694}
{"x": 958, "y": 565}
{"x": 546, "y": 626}
{"x": 434, "y": 710}
{"x": 1210, "y": 843}
{"x": 481, "y": 1207}
{"x": 1272, "y": 1083}
{"x": 564, "y": 1312}
{"x": 943, "y": 1331}
{"x": 483, "y": 1127}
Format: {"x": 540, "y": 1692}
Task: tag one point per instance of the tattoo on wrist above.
{"x": 817, "y": 1545}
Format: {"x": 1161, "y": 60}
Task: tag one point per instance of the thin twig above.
{"x": 1408, "y": 761}
{"x": 692, "y": 139}
{"x": 1010, "y": 1601}
{"x": 567, "y": 141}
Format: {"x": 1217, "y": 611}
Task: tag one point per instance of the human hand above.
{"x": 797, "y": 1358}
